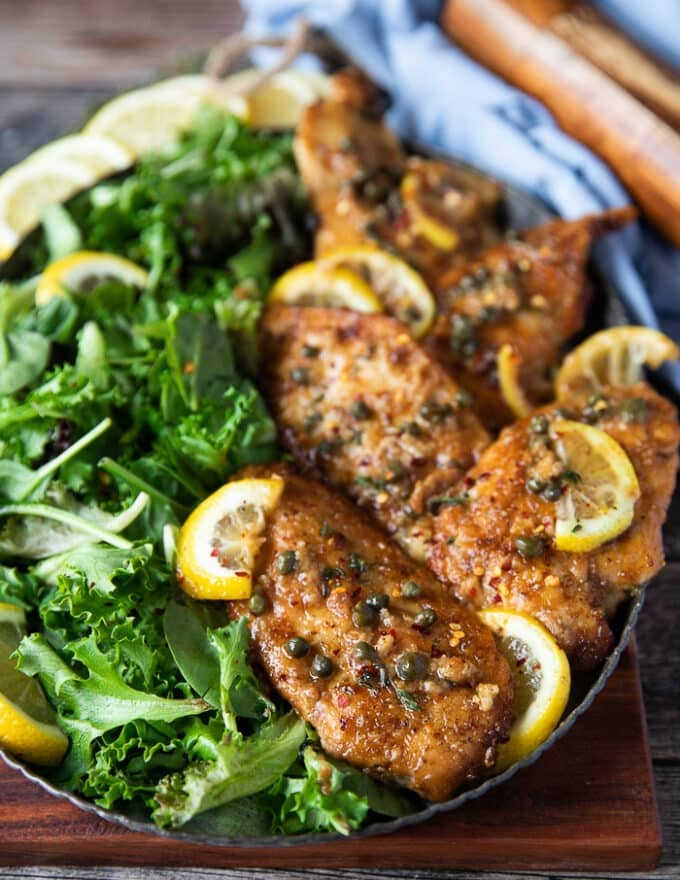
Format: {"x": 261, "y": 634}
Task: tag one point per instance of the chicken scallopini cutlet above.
{"x": 357, "y": 401}
{"x": 497, "y": 549}
{"x": 396, "y": 676}
{"x": 532, "y": 294}
{"x": 361, "y": 181}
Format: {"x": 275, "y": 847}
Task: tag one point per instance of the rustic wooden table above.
{"x": 60, "y": 58}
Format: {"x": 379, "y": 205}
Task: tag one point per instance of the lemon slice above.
{"x": 599, "y": 502}
{"x": 507, "y": 364}
{"x": 400, "y": 289}
{"x": 100, "y": 154}
{"x": 27, "y": 721}
{"x": 542, "y": 681}
{"x": 81, "y": 271}
{"x": 613, "y": 357}
{"x": 424, "y": 207}
{"x": 152, "y": 118}
{"x": 218, "y": 544}
{"x": 312, "y": 284}
{"x": 27, "y": 189}
{"x": 280, "y": 101}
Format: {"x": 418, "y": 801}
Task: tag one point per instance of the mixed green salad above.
{"x": 120, "y": 410}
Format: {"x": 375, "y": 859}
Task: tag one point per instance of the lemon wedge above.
{"x": 27, "y": 189}
{"x": 152, "y": 118}
{"x": 27, "y": 721}
{"x": 401, "y": 290}
{"x": 613, "y": 357}
{"x": 425, "y": 219}
{"x": 312, "y": 284}
{"x": 542, "y": 681}
{"x": 280, "y": 101}
{"x": 599, "y": 503}
{"x": 218, "y": 543}
{"x": 81, "y": 271}
{"x": 100, "y": 154}
{"x": 507, "y": 364}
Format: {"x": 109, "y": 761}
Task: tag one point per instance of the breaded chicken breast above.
{"x": 365, "y": 190}
{"x": 532, "y": 294}
{"x": 395, "y": 675}
{"x": 357, "y": 401}
{"x": 478, "y": 546}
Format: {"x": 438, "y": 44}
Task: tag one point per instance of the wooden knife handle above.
{"x": 641, "y": 149}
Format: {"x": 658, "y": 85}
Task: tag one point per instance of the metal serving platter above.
{"x": 520, "y": 211}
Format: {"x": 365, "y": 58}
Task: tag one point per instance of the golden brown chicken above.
{"x": 395, "y": 675}
{"x": 366, "y": 191}
{"x": 531, "y": 294}
{"x": 497, "y": 548}
{"x": 359, "y": 402}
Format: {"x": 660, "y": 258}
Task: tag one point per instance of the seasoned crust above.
{"x": 465, "y": 701}
{"x": 474, "y": 546}
{"x": 374, "y": 415}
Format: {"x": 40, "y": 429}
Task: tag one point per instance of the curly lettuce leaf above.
{"x": 242, "y": 766}
{"x": 331, "y": 796}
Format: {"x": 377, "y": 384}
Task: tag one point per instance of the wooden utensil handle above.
{"x": 588, "y": 105}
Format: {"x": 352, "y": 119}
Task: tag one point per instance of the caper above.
{"x": 411, "y": 666}
{"x": 356, "y": 563}
{"x": 463, "y": 398}
{"x": 463, "y": 339}
{"x": 364, "y": 651}
{"x": 539, "y": 424}
{"x": 297, "y": 647}
{"x": 287, "y": 562}
{"x": 311, "y": 421}
{"x": 591, "y": 414}
{"x": 258, "y": 604}
{"x": 300, "y": 375}
{"x": 633, "y": 410}
{"x": 411, "y": 590}
{"x": 310, "y": 351}
{"x": 552, "y": 492}
{"x": 364, "y": 614}
{"x": 534, "y": 485}
{"x": 322, "y": 666}
{"x": 378, "y": 600}
{"x": 425, "y": 618}
{"x": 530, "y": 546}
{"x": 361, "y": 410}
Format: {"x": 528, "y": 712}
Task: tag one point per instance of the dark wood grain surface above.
{"x": 57, "y": 61}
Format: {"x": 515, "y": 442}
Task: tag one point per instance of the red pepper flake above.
{"x": 343, "y": 701}
{"x": 242, "y": 574}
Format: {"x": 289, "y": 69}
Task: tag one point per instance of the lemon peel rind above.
{"x": 583, "y": 535}
{"x": 529, "y": 733}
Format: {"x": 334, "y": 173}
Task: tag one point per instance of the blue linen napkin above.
{"x": 446, "y": 101}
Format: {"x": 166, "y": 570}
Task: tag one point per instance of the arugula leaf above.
{"x": 24, "y": 354}
{"x": 102, "y": 699}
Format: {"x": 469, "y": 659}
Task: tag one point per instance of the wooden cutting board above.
{"x": 588, "y": 804}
